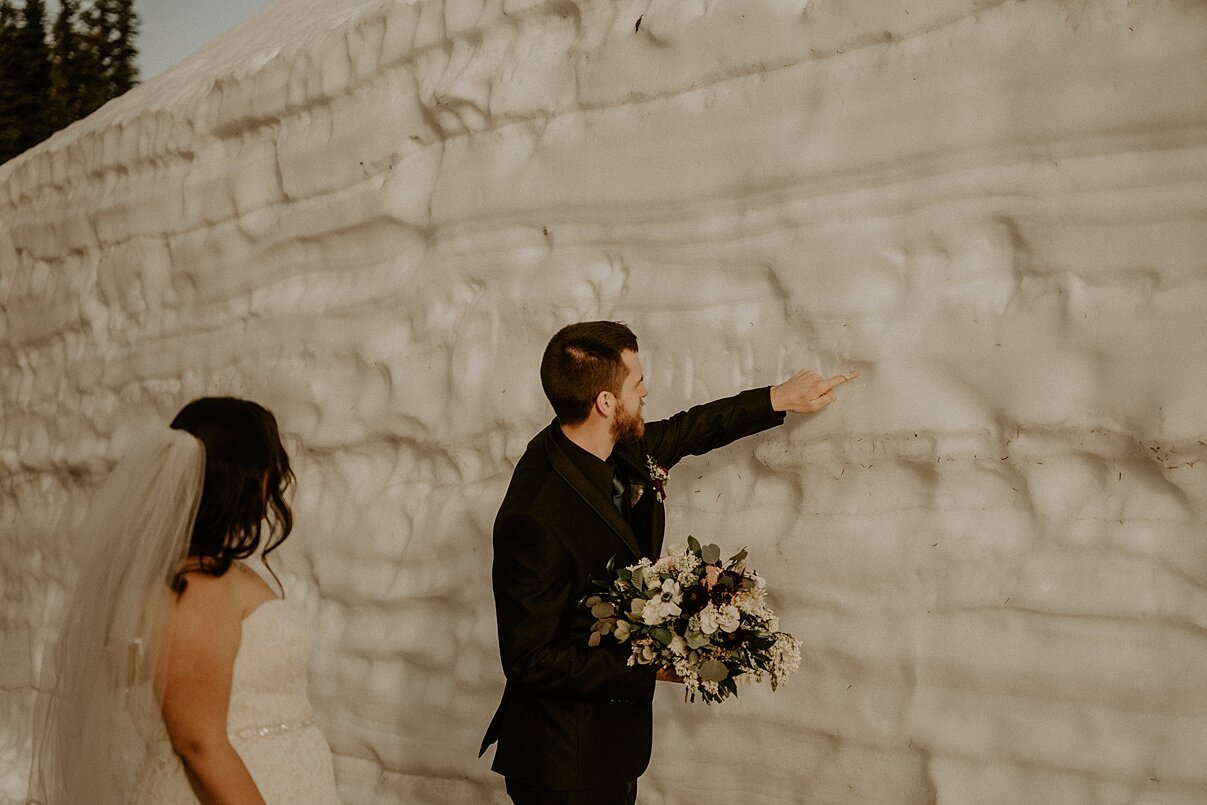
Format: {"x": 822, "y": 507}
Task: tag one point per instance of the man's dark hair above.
{"x": 582, "y": 360}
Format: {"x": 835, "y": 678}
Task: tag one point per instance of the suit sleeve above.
{"x": 709, "y": 426}
{"x": 534, "y": 603}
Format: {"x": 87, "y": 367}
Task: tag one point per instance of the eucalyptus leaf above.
{"x": 710, "y": 554}
{"x": 693, "y": 545}
{"x": 661, "y": 634}
{"x": 594, "y": 639}
{"x": 603, "y": 609}
{"x": 713, "y": 671}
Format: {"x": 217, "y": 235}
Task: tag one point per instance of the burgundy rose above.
{"x": 695, "y": 598}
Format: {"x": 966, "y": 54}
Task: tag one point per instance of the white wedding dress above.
{"x": 269, "y": 721}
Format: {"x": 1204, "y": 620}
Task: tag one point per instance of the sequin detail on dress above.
{"x": 272, "y": 729}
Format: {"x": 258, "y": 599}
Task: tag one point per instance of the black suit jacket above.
{"x": 572, "y": 716}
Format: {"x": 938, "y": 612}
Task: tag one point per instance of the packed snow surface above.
{"x": 371, "y": 215}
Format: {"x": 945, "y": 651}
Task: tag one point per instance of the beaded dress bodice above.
{"x": 268, "y": 721}
{"x": 268, "y": 688}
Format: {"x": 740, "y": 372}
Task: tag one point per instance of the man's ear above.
{"x": 605, "y": 402}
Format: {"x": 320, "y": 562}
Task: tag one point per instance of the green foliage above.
{"x": 10, "y": 129}
{"x": 89, "y": 59}
{"x": 24, "y": 77}
{"x": 73, "y": 72}
{"x": 110, "y": 28}
{"x": 713, "y": 670}
{"x": 661, "y": 634}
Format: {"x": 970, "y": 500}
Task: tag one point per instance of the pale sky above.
{"x": 172, "y": 29}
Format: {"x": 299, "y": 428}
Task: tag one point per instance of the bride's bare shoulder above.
{"x": 206, "y": 613}
{"x": 235, "y": 593}
{"x": 252, "y": 586}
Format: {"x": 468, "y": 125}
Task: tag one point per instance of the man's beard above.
{"x": 627, "y": 428}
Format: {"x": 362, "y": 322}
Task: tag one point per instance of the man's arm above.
{"x": 716, "y": 424}
{"x": 533, "y": 587}
{"x": 709, "y": 426}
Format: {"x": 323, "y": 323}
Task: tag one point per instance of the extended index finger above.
{"x": 838, "y": 380}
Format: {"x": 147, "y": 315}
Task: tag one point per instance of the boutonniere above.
{"x": 659, "y": 475}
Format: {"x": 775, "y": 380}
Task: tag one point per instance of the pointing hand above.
{"x": 807, "y": 392}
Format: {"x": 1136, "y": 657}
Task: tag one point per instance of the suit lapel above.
{"x": 602, "y": 506}
{"x": 633, "y": 460}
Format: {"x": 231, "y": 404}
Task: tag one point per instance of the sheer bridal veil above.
{"x": 97, "y": 709}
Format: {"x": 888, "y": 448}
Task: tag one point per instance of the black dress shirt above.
{"x": 601, "y": 474}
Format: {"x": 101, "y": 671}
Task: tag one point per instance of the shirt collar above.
{"x": 598, "y": 472}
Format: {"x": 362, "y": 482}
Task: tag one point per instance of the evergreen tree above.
{"x": 91, "y": 59}
{"x": 10, "y": 129}
{"x": 109, "y": 30}
{"x": 28, "y": 69}
{"x": 73, "y": 77}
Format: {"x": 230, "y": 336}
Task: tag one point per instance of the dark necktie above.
{"x": 618, "y": 491}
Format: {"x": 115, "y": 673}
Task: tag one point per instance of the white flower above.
{"x": 685, "y": 561}
{"x": 657, "y": 610}
{"x": 678, "y": 646}
{"x": 785, "y": 658}
{"x": 708, "y": 619}
{"x": 671, "y": 591}
{"x": 753, "y": 602}
{"x": 728, "y": 618}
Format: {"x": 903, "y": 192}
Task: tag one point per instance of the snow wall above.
{"x": 371, "y": 215}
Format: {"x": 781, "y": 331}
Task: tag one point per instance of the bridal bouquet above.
{"x": 689, "y": 613}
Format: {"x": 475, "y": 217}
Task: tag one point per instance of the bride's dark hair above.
{"x": 246, "y": 474}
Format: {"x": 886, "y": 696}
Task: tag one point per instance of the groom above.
{"x": 575, "y": 723}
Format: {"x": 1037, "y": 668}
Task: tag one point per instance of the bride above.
{"x": 181, "y": 675}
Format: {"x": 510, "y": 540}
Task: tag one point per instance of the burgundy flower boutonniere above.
{"x": 659, "y": 475}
